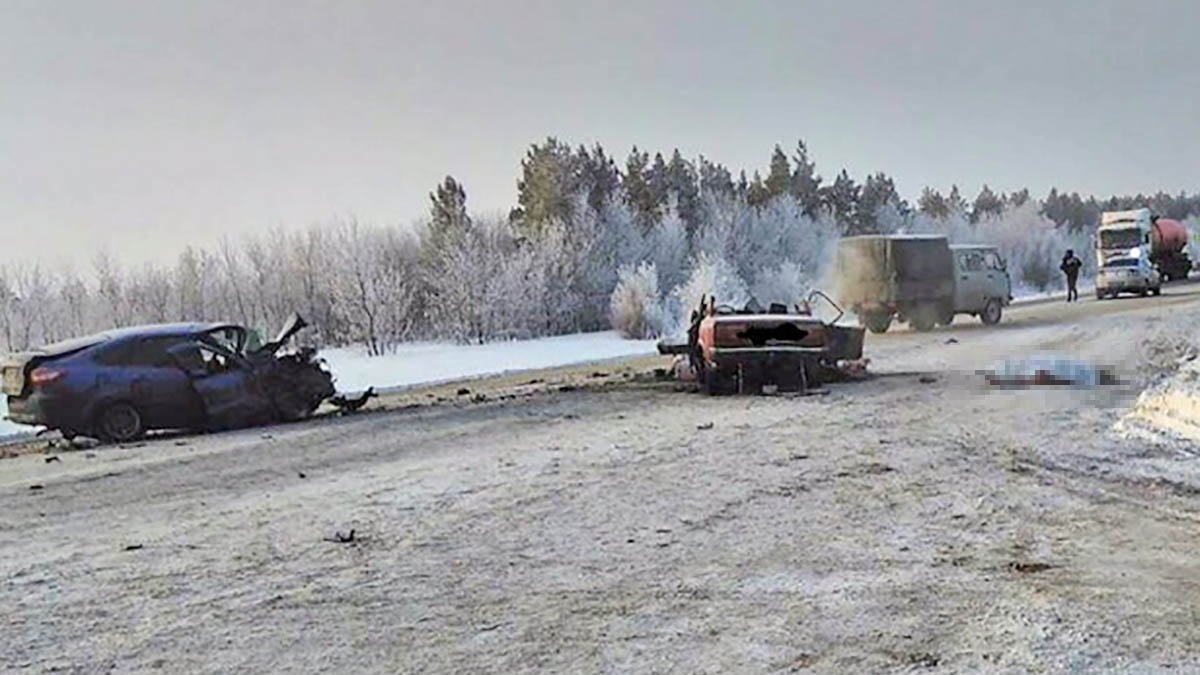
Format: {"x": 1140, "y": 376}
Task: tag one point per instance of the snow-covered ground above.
{"x": 8, "y": 428}
{"x": 421, "y": 363}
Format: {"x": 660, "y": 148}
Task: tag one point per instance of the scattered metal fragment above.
{"x": 704, "y": 427}
{"x": 351, "y": 403}
{"x": 52, "y": 458}
{"x": 341, "y": 538}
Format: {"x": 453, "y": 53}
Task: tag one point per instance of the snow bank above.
{"x": 8, "y": 428}
{"x": 421, "y": 363}
{"x": 1172, "y": 406}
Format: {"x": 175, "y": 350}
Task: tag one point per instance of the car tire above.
{"x": 923, "y": 318}
{"x": 1156, "y": 291}
{"x": 119, "y": 423}
{"x": 991, "y": 313}
{"x": 1100, "y": 295}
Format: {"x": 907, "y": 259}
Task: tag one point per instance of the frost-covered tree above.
{"x": 635, "y": 308}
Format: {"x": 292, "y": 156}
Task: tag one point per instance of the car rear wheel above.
{"x": 991, "y": 312}
{"x": 118, "y": 423}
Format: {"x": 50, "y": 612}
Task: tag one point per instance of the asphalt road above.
{"x": 581, "y": 522}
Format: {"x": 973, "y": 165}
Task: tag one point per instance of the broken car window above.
{"x": 229, "y": 338}
{"x": 146, "y": 352}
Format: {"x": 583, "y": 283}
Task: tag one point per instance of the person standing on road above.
{"x": 1070, "y": 267}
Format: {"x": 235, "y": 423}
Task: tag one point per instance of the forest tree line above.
{"x": 591, "y": 244}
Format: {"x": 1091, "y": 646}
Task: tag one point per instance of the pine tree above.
{"x": 779, "y": 178}
{"x": 841, "y": 198}
{"x": 448, "y": 212}
{"x": 878, "y": 191}
{"x": 806, "y": 184}
{"x": 549, "y": 181}
{"x": 638, "y": 193}
{"x": 932, "y": 203}
{"x": 987, "y": 203}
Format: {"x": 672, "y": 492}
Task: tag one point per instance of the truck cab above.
{"x": 982, "y": 286}
{"x": 1123, "y": 255}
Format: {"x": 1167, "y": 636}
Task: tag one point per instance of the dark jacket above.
{"x": 1070, "y": 265}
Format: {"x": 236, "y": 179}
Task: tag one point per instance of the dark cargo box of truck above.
{"x": 911, "y": 276}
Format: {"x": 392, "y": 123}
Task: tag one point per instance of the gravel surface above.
{"x": 917, "y": 521}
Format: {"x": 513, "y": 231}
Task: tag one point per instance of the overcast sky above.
{"x": 163, "y": 123}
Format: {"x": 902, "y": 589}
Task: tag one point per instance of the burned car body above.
{"x": 743, "y": 351}
{"x": 119, "y": 384}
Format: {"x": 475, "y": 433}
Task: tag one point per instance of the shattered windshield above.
{"x": 229, "y": 337}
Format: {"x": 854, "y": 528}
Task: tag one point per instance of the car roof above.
{"x": 163, "y": 330}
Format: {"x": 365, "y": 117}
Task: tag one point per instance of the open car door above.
{"x": 225, "y": 384}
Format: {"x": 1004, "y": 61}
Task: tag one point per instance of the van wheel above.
{"x": 877, "y": 322}
{"x": 923, "y": 318}
{"x": 1156, "y": 291}
{"x": 946, "y": 317}
{"x": 991, "y": 312}
{"x": 119, "y": 423}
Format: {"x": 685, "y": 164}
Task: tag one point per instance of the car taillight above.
{"x": 43, "y": 376}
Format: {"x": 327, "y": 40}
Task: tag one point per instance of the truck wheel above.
{"x": 1156, "y": 291}
{"x": 1099, "y": 294}
{"x": 119, "y": 423}
{"x": 991, "y": 312}
{"x": 877, "y": 322}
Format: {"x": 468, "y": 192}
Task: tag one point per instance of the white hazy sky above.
{"x": 148, "y": 125}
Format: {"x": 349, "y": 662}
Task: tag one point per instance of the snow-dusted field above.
{"x": 421, "y": 363}
{"x": 8, "y": 428}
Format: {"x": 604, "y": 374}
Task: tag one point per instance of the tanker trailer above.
{"x": 1168, "y": 248}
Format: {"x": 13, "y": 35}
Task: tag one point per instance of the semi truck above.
{"x": 1137, "y": 251}
{"x": 920, "y": 279}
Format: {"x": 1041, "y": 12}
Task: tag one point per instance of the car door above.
{"x": 227, "y": 389}
{"x": 968, "y": 292}
{"x": 997, "y": 282}
{"x": 162, "y": 393}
